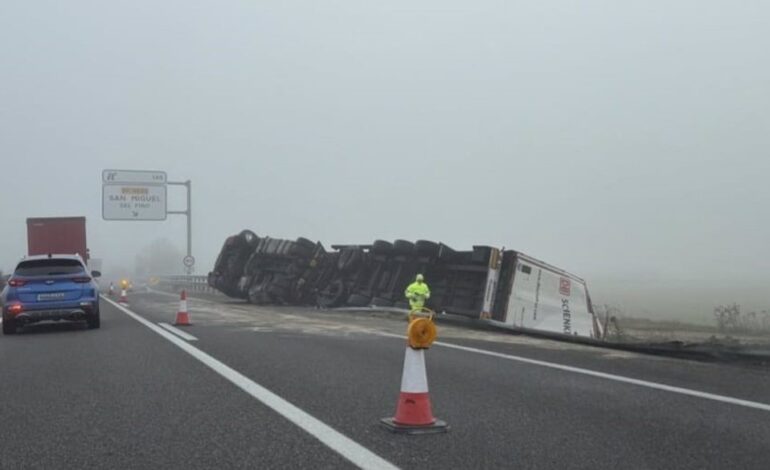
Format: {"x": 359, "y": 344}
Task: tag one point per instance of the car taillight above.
{"x": 81, "y": 279}
{"x": 16, "y": 282}
{"x": 15, "y": 309}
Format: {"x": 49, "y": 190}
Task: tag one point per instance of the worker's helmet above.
{"x": 419, "y": 278}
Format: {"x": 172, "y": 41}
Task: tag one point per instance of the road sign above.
{"x": 189, "y": 261}
{"x": 134, "y": 201}
{"x": 133, "y": 176}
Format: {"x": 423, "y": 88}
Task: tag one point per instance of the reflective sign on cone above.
{"x": 182, "y": 317}
{"x": 413, "y": 412}
{"x": 123, "y": 298}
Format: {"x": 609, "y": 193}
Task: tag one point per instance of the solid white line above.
{"x": 178, "y": 332}
{"x": 346, "y": 447}
{"x": 603, "y": 375}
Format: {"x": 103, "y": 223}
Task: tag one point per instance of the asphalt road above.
{"x": 129, "y": 396}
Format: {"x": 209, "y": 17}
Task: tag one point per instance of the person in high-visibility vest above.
{"x": 417, "y": 293}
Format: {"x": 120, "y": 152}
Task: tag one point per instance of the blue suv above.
{"x": 50, "y": 287}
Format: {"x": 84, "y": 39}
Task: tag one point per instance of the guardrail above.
{"x": 178, "y": 282}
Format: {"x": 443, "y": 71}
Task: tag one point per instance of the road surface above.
{"x": 255, "y": 387}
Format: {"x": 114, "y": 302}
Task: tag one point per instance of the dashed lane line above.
{"x": 338, "y": 442}
{"x": 178, "y": 332}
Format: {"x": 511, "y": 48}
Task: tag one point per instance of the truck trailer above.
{"x": 60, "y": 235}
{"x": 505, "y": 287}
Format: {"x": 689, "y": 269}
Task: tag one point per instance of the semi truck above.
{"x": 504, "y": 287}
{"x": 60, "y": 235}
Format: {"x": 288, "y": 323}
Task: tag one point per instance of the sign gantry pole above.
{"x": 141, "y": 195}
{"x": 189, "y": 260}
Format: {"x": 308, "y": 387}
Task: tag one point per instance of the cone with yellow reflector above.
{"x": 414, "y": 414}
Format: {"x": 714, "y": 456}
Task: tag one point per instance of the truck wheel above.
{"x": 349, "y": 259}
{"x": 332, "y": 295}
{"x": 427, "y": 248}
{"x": 249, "y": 237}
{"x": 403, "y": 247}
{"x": 9, "y": 326}
{"x": 305, "y": 244}
{"x": 301, "y": 250}
{"x": 381, "y": 247}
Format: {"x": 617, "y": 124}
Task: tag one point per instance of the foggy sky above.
{"x": 625, "y": 143}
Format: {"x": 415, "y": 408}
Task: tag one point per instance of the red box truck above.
{"x": 61, "y": 235}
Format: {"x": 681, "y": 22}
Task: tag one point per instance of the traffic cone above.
{"x": 123, "y": 298}
{"x": 182, "y": 317}
{"x": 413, "y": 412}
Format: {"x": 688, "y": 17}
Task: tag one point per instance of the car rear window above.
{"x": 49, "y": 267}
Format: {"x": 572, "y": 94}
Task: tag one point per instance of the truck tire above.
{"x": 358, "y": 300}
{"x": 403, "y": 247}
{"x": 9, "y": 326}
{"x": 332, "y": 295}
{"x": 249, "y": 237}
{"x": 304, "y": 245}
{"x": 447, "y": 252}
{"x": 426, "y": 248}
{"x": 349, "y": 259}
{"x": 381, "y": 247}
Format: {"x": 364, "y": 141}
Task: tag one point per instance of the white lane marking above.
{"x": 603, "y": 375}
{"x": 178, "y": 332}
{"x": 338, "y": 442}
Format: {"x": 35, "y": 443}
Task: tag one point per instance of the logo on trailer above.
{"x": 565, "y": 286}
{"x": 567, "y": 315}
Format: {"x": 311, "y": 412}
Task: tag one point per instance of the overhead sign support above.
{"x": 142, "y": 195}
{"x": 189, "y": 261}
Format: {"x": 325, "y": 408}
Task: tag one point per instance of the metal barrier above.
{"x": 175, "y": 283}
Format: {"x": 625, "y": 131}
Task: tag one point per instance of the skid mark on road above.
{"x": 338, "y": 442}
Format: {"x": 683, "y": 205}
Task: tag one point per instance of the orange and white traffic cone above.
{"x": 182, "y": 317}
{"x": 123, "y": 298}
{"x": 413, "y": 412}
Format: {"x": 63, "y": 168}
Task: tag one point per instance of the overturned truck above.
{"x": 506, "y": 287}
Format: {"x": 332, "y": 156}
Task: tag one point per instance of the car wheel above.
{"x": 9, "y": 326}
{"x": 93, "y": 320}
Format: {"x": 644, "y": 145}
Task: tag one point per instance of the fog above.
{"x": 625, "y": 143}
